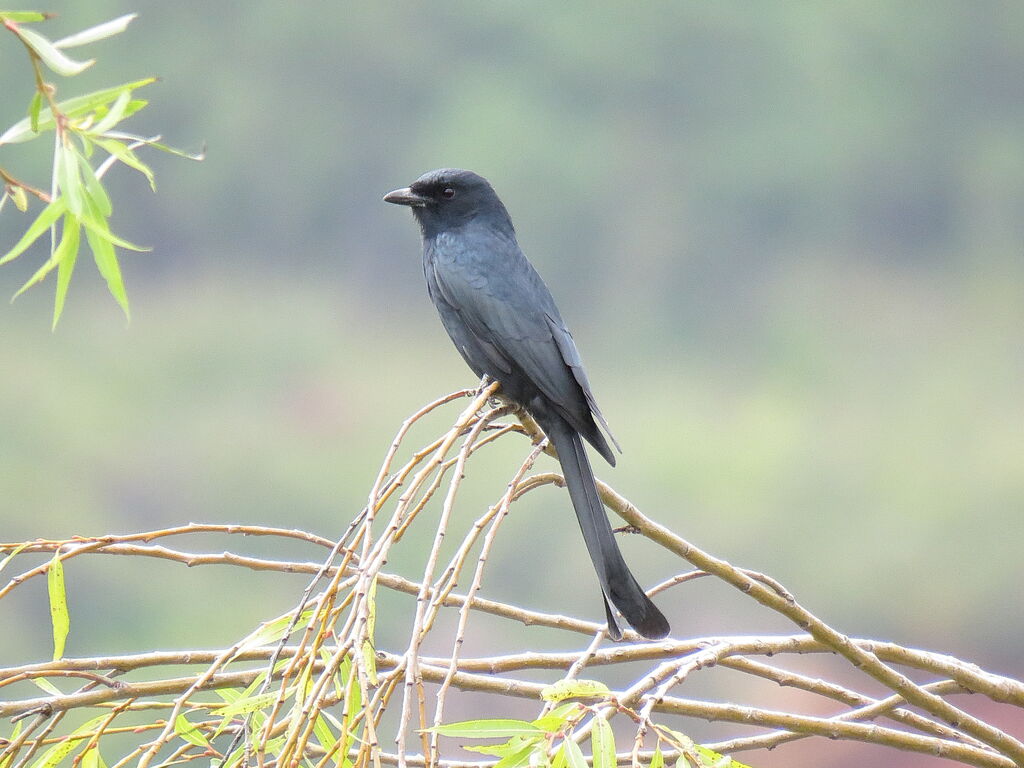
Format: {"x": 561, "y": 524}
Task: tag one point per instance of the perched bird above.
{"x": 505, "y": 324}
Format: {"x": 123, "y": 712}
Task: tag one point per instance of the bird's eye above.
{"x": 447, "y": 193}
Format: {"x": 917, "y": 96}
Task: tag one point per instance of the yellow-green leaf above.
{"x": 33, "y": 111}
{"x": 51, "y": 55}
{"x": 603, "y": 742}
{"x": 55, "y": 754}
{"x": 46, "y": 219}
{"x": 575, "y": 689}
{"x": 370, "y": 662}
{"x": 68, "y": 245}
{"x": 58, "y": 605}
{"x": 99, "y": 32}
{"x": 658, "y": 759}
{"x": 7, "y": 559}
{"x": 94, "y": 189}
{"x": 68, "y": 178}
{"x": 46, "y": 686}
{"x": 189, "y": 732}
{"x": 488, "y": 729}
{"x": 114, "y": 115}
{"x": 574, "y": 755}
{"x": 72, "y": 108}
{"x": 20, "y": 198}
{"x": 21, "y": 17}
{"x": 65, "y": 268}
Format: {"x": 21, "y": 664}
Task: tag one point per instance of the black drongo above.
{"x": 505, "y": 324}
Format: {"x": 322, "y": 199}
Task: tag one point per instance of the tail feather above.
{"x": 618, "y": 584}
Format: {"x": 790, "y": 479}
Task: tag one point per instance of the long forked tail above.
{"x": 619, "y": 586}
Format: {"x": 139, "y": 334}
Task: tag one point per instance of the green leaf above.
{"x": 72, "y": 108}
{"x": 106, "y": 261}
{"x": 712, "y": 759}
{"x": 272, "y": 631}
{"x": 190, "y": 732}
{"x": 91, "y": 758}
{"x": 33, "y": 111}
{"x": 248, "y": 704}
{"x": 658, "y": 759}
{"x": 20, "y": 198}
{"x": 488, "y": 729}
{"x": 65, "y": 268}
{"x": 370, "y": 662}
{"x": 323, "y": 732}
{"x": 58, "y": 605}
{"x": 556, "y": 720}
{"x": 519, "y": 756}
{"x": 21, "y": 17}
{"x": 114, "y": 115}
{"x": 603, "y": 742}
{"x": 128, "y": 157}
{"x": 6, "y": 560}
{"x": 197, "y": 156}
{"x": 42, "y": 224}
{"x": 68, "y": 244}
{"x": 65, "y": 747}
{"x": 99, "y": 32}
{"x": 574, "y": 755}
{"x": 94, "y": 189}
{"x": 575, "y": 689}
{"x": 46, "y": 686}
{"x": 51, "y": 55}
{"x": 68, "y": 178}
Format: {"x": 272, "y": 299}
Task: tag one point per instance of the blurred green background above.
{"x": 788, "y": 238}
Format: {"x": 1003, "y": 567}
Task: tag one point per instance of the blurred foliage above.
{"x": 788, "y": 239}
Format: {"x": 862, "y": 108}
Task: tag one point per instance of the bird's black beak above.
{"x": 406, "y": 196}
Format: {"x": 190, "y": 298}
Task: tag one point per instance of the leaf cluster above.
{"x": 87, "y": 142}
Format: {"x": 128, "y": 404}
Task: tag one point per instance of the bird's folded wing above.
{"x": 512, "y": 329}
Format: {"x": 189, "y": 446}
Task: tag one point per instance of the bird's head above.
{"x": 448, "y": 198}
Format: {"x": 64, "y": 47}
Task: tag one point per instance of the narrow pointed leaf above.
{"x": 33, "y": 111}
{"x": 189, "y": 732}
{"x": 98, "y": 226}
{"x": 55, "y": 754}
{"x": 99, "y": 32}
{"x": 126, "y": 156}
{"x": 94, "y": 189}
{"x": 574, "y": 755}
{"x": 65, "y": 269}
{"x": 58, "y": 605}
{"x": 6, "y": 560}
{"x": 74, "y": 107}
{"x": 106, "y": 261}
{"x": 43, "y": 222}
{"x": 22, "y": 17}
{"x": 488, "y": 729}
{"x": 602, "y": 741}
{"x": 68, "y": 244}
{"x": 197, "y": 156}
{"x": 574, "y": 689}
{"x": 518, "y": 757}
{"x": 51, "y": 55}
{"x": 114, "y": 115}
{"x": 46, "y": 686}
{"x": 20, "y": 198}
{"x": 658, "y": 759}
{"x": 69, "y": 180}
